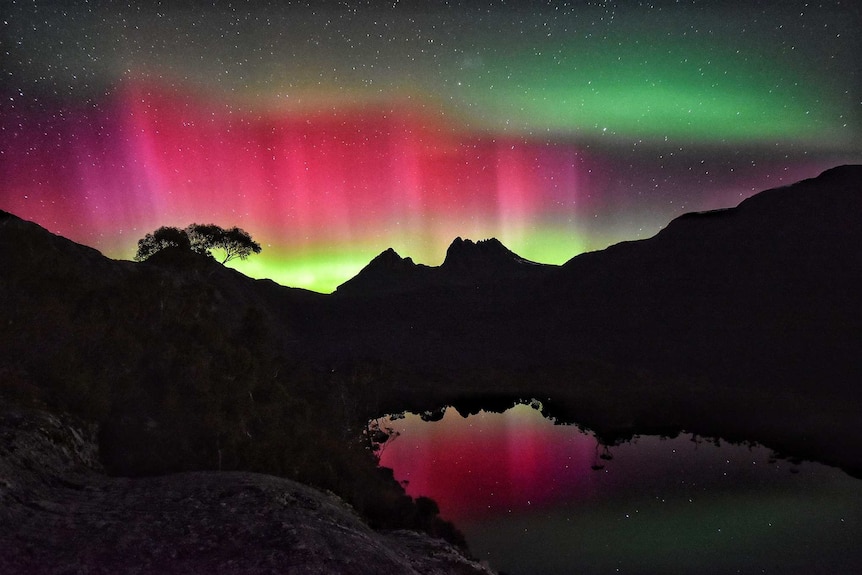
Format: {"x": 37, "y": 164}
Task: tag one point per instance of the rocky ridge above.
{"x": 468, "y": 264}
{"x": 59, "y": 513}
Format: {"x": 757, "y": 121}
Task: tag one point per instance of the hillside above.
{"x": 743, "y": 323}
{"x": 762, "y": 295}
{"x": 185, "y": 365}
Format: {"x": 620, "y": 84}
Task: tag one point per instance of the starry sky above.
{"x": 333, "y": 130}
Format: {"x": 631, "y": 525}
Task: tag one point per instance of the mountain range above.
{"x": 743, "y": 322}
{"x": 754, "y": 295}
{"x": 467, "y": 262}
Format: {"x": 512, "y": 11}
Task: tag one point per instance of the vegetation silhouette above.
{"x": 163, "y": 238}
{"x": 199, "y": 238}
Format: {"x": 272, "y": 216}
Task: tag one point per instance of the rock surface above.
{"x": 60, "y": 514}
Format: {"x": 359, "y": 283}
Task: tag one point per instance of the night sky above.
{"x": 334, "y": 130}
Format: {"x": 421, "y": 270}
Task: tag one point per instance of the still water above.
{"x": 533, "y": 497}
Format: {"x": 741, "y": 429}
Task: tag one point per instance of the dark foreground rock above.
{"x": 60, "y": 514}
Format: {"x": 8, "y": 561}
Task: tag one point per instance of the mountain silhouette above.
{"x": 470, "y": 257}
{"x": 467, "y": 263}
{"x": 743, "y": 322}
{"x": 759, "y": 294}
{"x": 388, "y": 272}
{"x": 744, "y": 295}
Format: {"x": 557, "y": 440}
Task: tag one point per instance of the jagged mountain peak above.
{"x": 389, "y": 259}
{"x": 466, "y": 262}
{"x": 387, "y": 271}
{"x": 467, "y": 254}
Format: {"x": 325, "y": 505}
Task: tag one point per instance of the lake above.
{"x": 533, "y": 497}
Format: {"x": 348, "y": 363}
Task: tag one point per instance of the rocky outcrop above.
{"x": 469, "y": 256}
{"x": 468, "y": 264}
{"x": 60, "y": 514}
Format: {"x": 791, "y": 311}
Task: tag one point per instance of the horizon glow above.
{"x": 332, "y": 134}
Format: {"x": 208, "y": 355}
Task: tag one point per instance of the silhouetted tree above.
{"x": 235, "y": 242}
{"x": 164, "y": 237}
{"x": 204, "y": 237}
{"x": 200, "y": 238}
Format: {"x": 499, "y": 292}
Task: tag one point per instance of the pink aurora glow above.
{"x": 491, "y": 464}
{"x": 319, "y": 183}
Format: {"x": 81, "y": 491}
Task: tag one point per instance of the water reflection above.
{"x": 534, "y": 497}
